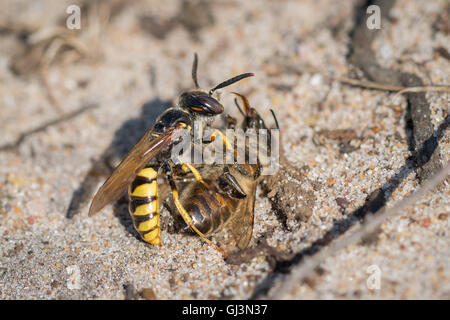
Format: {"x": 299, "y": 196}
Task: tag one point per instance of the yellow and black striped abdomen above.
{"x": 144, "y": 205}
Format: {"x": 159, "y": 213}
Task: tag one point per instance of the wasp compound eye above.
{"x": 203, "y": 104}
{"x": 210, "y": 105}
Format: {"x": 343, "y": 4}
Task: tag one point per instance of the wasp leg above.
{"x": 186, "y": 166}
{"x": 216, "y": 133}
{"x": 226, "y": 143}
{"x": 144, "y": 205}
{"x": 184, "y": 214}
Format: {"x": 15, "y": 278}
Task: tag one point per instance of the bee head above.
{"x": 252, "y": 119}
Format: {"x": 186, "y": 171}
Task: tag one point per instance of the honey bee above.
{"x": 223, "y": 201}
{"x": 150, "y": 157}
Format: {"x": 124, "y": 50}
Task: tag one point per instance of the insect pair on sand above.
{"x": 220, "y": 196}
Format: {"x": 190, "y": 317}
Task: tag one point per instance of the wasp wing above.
{"x": 146, "y": 149}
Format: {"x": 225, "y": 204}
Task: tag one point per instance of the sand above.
{"x": 138, "y": 61}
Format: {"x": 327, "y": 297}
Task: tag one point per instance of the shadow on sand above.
{"x": 125, "y": 138}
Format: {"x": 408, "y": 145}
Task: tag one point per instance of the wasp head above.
{"x": 199, "y": 102}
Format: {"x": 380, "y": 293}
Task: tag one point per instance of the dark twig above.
{"x": 363, "y": 57}
{"x": 372, "y": 223}
{"x": 376, "y": 200}
{"x": 424, "y": 154}
{"x": 14, "y": 145}
{"x": 400, "y": 89}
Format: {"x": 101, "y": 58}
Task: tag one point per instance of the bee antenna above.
{"x": 230, "y": 81}
{"x": 275, "y": 118}
{"x": 194, "y": 70}
{"x": 247, "y": 107}
{"x": 238, "y": 106}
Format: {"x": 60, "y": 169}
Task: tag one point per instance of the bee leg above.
{"x": 230, "y": 121}
{"x": 184, "y": 214}
{"x": 230, "y": 186}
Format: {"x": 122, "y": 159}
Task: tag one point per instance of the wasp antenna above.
{"x": 238, "y": 106}
{"x": 194, "y": 70}
{"x": 230, "y": 81}
{"x": 275, "y": 118}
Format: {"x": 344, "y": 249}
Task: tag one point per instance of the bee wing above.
{"x": 242, "y": 221}
{"x": 146, "y": 149}
{"x": 238, "y": 231}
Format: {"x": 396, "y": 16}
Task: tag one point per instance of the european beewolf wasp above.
{"x": 151, "y": 156}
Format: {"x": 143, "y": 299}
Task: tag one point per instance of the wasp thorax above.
{"x": 200, "y": 102}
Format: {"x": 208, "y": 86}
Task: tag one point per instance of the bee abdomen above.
{"x": 144, "y": 205}
{"x": 208, "y": 210}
